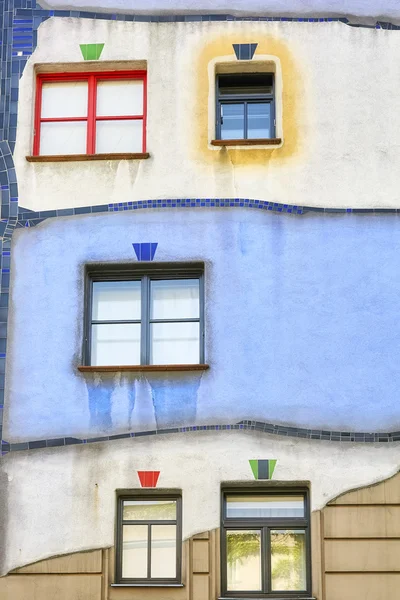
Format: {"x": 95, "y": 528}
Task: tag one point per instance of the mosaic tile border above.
{"x": 28, "y": 218}
{"x": 268, "y": 428}
{"x": 19, "y": 22}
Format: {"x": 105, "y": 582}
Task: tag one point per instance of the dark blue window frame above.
{"x": 242, "y": 95}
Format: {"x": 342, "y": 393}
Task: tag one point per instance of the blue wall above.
{"x": 302, "y": 323}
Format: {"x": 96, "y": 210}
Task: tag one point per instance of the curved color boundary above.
{"x": 268, "y": 428}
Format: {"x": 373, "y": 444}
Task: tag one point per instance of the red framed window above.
{"x": 90, "y": 113}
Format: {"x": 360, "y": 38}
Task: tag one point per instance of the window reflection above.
{"x": 243, "y": 549}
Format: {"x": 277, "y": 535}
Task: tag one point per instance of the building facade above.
{"x": 199, "y": 301}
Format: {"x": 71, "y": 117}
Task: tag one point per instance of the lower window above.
{"x": 265, "y": 543}
{"x": 149, "y": 539}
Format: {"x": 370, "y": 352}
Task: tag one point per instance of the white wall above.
{"x": 341, "y": 124}
{"x": 63, "y": 500}
{"x": 361, "y": 8}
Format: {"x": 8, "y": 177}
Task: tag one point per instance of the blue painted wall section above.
{"x": 301, "y": 315}
{"x": 19, "y": 21}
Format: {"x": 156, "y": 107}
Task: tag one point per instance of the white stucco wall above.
{"x": 360, "y": 8}
{"x": 341, "y": 124}
{"x": 63, "y": 500}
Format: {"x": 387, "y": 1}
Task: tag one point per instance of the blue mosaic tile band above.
{"x": 259, "y": 426}
{"x": 28, "y": 218}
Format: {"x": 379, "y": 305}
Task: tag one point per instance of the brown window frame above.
{"x": 150, "y": 581}
{"x": 265, "y": 524}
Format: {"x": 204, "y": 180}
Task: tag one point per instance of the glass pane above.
{"x": 163, "y": 551}
{"x": 151, "y": 510}
{"x": 288, "y": 561}
{"x": 175, "y": 343}
{"x": 264, "y": 506}
{"x": 119, "y": 136}
{"x": 63, "y": 138}
{"x": 232, "y": 126}
{"x": 64, "y": 99}
{"x": 119, "y": 98}
{"x": 134, "y": 551}
{"x": 243, "y": 554}
{"x": 116, "y": 300}
{"x": 175, "y": 299}
{"x": 115, "y": 344}
{"x": 259, "y": 120}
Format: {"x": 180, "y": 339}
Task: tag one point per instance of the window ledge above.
{"x": 151, "y": 585}
{"x": 85, "y": 157}
{"x": 118, "y": 368}
{"x": 267, "y": 598}
{"x": 259, "y": 142}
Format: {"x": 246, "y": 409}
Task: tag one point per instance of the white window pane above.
{"x": 134, "y": 551}
{"x": 116, "y": 300}
{"x": 163, "y": 551}
{"x": 264, "y": 506}
{"x": 115, "y": 344}
{"x": 175, "y": 343}
{"x": 119, "y": 136}
{"x": 119, "y": 98}
{"x": 152, "y": 510}
{"x": 175, "y": 299}
{"x": 258, "y": 120}
{"x": 63, "y": 138}
{"x": 64, "y": 99}
{"x": 243, "y": 553}
{"x": 288, "y": 561}
{"x": 232, "y": 126}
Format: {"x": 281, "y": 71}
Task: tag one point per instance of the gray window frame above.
{"x": 246, "y": 99}
{"x": 264, "y": 525}
{"x": 147, "y": 273}
{"x": 119, "y": 551}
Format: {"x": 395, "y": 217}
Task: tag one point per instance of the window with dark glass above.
{"x": 265, "y": 544}
{"x": 149, "y": 539}
{"x": 245, "y": 106}
{"x": 151, "y": 317}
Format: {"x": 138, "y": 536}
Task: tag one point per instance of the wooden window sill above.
{"x": 260, "y": 142}
{"x": 118, "y": 368}
{"x": 150, "y": 584}
{"x": 84, "y": 157}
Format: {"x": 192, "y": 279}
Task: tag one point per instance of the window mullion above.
{"x": 149, "y": 552}
{"x": 91, "y": 116}
{"x": 245, "y": 120}
{"x": 267, "y": 560}
{"x": 144, "y": 331}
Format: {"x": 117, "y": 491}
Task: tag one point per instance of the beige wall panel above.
{"x": 53, "y": 587}
{"x": 205, "y": 535}
{"x": 362, "y": 521}
{"x": 316, "y": 554}
{"x": 145, "y": 593}
{"x": 362, "y": 586}
{"x": 200, "y": 589}
{"x": 362, "y": 555}
{"x": 201, "y": 560}
{"x": 387, "y": 492}
{"x": 82, "y": 562}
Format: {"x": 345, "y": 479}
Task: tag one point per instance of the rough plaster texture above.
{"x": 301, "y": 324}
{"x": 72, "y": 490}
{"x": 360, "y": 8}
{"x": 341, "y": 125}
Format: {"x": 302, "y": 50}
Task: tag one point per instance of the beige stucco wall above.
{"x": 341, "y": 126}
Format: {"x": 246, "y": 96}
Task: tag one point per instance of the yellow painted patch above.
{"x": 269, "y": 45}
